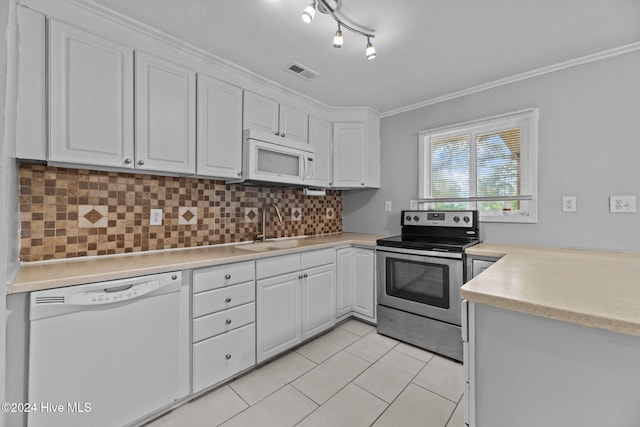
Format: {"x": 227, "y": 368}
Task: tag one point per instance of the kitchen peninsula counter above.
{"x": 590, "y": 288}
{"x": 53, "y": 274}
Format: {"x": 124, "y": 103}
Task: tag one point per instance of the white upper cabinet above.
{"x": 219, "y": 152}
{"x": 349, "y": 155}
{"x": 266, "y": 115}
{"x": 91, "y": 98}
{"x": 294, "y": 124}
{"x": 165, "y": 116}
{"x": 320, "y": 137}
{"x": 260, "y": 113}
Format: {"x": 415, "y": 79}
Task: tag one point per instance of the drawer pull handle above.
{"x": 228, "y": 356}
{"x": 227, "y": 276}
{"x": 228, "y": 321}
{"x": 227, "y": 299}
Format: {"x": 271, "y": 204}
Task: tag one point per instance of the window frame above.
{"x": 527, "y": 121}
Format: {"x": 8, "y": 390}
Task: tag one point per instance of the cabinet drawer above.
{"x": 221, "y": 299}
{"x": 277, "y": 265}
{"x": 205, "y": 279}
{"x": 223, "y": 321}
{"x": 315, "y": 258}
{"x": 223, "y": 356}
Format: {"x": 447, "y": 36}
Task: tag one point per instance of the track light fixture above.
{"x": 371, "y": 51}
{"x": 338, "y": 39}
{"x": 331, "y": 7}
{"x": 309, "y": 12}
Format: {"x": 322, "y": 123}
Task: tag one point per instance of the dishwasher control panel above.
{"x": 113, "y": 295}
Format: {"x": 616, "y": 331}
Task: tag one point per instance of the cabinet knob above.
{"x": 305, "y": 275}
{"x": 277, "y": 133}
{"x": 282, "y": 135}
{"x": 141, "y": 162}
{"x": 300, "y": 276}
{"x": 227, "y": 300}
{"x": 174, "y": 277}
{"x": 362, "y": 183}
{"x": 227, "y": 276}
{"x": 228, "y": 356}
{"x": 228, "y": 321}
{"x": 240, "y": 173}
{"x": 331, "y": 183}
{"x": 127, "y": 161}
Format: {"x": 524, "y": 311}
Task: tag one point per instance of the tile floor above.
{"x": 350, "y": 376}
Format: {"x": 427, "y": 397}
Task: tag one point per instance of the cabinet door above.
{"x": 165, "y": 116}
{"x": 363, "y": 275}
{"x": 318, "y": 300}
{"x": 219, "y": 138}
{"x": 278, "y": 315}
{"x": 344, "y": 283}
{"x": 294, "y": 124}
{"x": 91, "y": 98}
{"x": 349, "y": 155}
{"x": 320, "y": 139}
{"x": 260, "y": 113}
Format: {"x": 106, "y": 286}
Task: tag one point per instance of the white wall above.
{"x": 589, "y": 147}
{"x": 8, "y": 171}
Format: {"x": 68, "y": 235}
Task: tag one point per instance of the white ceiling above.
{"x": 426, "y": 48}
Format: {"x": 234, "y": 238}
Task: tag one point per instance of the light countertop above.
{"x": 55, "y": 274}
{"x": 591, "y": 288}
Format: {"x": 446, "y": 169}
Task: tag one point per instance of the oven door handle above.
{"x": 439, "y": 254}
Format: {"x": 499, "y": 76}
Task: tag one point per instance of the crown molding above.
{"x": 605, "y": 54}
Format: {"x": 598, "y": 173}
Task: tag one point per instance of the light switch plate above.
{"x": 388, "y": 206}
{"x": 155, "y": 217}
{"x": 413, "y": 205}
{"x": 622, "y": 204}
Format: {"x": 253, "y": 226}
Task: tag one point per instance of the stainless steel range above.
{"x": 419, "y": 275}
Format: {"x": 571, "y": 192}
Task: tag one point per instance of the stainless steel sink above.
{"x": 265, "y": 246}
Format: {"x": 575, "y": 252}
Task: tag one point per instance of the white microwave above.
{"x": 266, "y": 161}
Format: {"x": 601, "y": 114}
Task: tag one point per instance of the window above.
{"x": 489, "y": 165}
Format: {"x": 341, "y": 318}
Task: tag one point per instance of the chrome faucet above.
{"x": 263, "y": 236}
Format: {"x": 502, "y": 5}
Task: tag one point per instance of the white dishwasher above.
{"x": 108, "y": 353}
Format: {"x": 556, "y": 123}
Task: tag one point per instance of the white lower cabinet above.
{"x": 295, "y": 299}
{"x": 224, "y": 329}
{"x": 356, "y": 283}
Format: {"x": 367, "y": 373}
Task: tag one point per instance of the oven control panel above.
{"x": 440, "y": 218}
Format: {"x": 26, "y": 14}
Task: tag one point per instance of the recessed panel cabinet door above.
{"x": 294, "y": 124}
{"x": 165, "y": 116}
{"x": 278, "y": 315}
{"x": 364, "y": 300}
{"x": 91, "y": 98}
{"x": 318, "y": 300}
{"x": 320, "y": 140}
{"x": 260, "y": 113}
{"x": 219, "y": 129}
{"x": 349, "y": 155}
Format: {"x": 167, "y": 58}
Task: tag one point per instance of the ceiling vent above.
{"x": 305, "y": 73}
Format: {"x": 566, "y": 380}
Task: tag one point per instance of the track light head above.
{"x": 309, "y": 12}
{"x": 371, "y": 51}
{"x": 338, "y": 40}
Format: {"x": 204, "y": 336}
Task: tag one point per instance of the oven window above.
{"x": 418, "y": 281}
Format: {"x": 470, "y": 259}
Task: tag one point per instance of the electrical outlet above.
{"x": 622, "y": 204}
{"x": 569, "y": 204}
{"x": 413, "y": 205}
{"x": 387, "y": 206}
{"x": 155, "y": 217}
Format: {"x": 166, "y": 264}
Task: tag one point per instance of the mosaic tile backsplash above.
{"x": 67, "y": 213}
